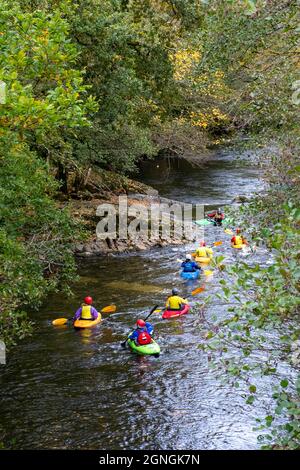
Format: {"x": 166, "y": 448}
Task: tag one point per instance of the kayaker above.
{"x": 204, "y": 251}
{"x": 190, "y": 266}
{"x": 142, "y": 334}
{"x": 217, "y": 216}
{"x": 86, "y": 311}
{"x": 238, "y": 238}
{"x": 175, "y": 302}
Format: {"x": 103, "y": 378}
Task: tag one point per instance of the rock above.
{"x": 240, "y": 199}
{"x": 79, "y": 248}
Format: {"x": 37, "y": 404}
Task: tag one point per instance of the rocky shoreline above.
{"x": 105, "y": 188}
{"x": 99, "y": 247}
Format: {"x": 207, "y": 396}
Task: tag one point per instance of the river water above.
{"x": 79, "y": 389}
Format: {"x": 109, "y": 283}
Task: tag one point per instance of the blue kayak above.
{"x": 192, "y": 275}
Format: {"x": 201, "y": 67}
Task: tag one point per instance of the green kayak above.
{"x": 151, "y": 349}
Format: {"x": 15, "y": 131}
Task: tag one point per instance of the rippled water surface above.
{"x": 72, "y": 389}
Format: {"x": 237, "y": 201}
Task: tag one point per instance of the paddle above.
{"x": 208, "y": 272}
{"x": 198, "y": 290}
{"x": 151, "y": 311}
{"x": 63, "y": 321}
{"x": 218, "y": 243}
{"x": 109, "y": 309}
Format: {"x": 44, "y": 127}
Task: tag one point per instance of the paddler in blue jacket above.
{"x": 190, "y": 266}
{"x": 143, "y": 332}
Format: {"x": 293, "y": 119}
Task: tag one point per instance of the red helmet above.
{"x": 140, "y": 323}
{"x": 238, "y": 230}
{"x": 202, "y": 243}
{"x": 88, "y": 300}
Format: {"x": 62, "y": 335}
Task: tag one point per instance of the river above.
{"x": 66, "y": 389}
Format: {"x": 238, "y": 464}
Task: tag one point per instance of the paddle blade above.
{"x": 208, "y": 272}
{"x": 218, "y": 243}
{"x": 228, "y": 231}
{"x": 60, "y": 321}
{"x": 109, "y": 309}
{"x": 198, "y": 290}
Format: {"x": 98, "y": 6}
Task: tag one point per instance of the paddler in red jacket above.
{"x": 142, "y": 334}
{"x": 217, "y": 216}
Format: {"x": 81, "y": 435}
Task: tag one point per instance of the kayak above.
{"x": 203, "y": 259}
{"x": 151, "y": 349}
{"x": 192, "y": 275}
{"x": 87, "y": 323}
{"x": 203, "y": 222}
{"x": 176, "y": 313}
{"x": 238, "y": 247}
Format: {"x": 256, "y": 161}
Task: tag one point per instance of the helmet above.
{"x": 175, "y": 291}
{"x": 189, "y": 257}
{"x": 88, "y": 300}
{"x": 140, "y": 323}
{"x": 202, "y": 243}
{"x": 219, "y": 211}
{"x": 238, "y": 230}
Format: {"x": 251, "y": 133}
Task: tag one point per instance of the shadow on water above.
{"x": 68, "y": 389}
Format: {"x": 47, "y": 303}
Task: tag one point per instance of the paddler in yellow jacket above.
{"x": 203, "y": 251}
{"x": 238, "y": 239}
{"x": 86, "y": 311}
{"x": 175, "y": 302}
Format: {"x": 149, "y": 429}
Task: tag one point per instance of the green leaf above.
{"x": 250, "y": 400}
{"x": 284, "y": 383}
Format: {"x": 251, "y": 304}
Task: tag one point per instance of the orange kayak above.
{"x": 87, "y": 323}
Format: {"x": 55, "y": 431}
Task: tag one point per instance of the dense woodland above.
{"x": 104, "y": 83}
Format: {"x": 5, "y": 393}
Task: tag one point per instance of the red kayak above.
{"x": 176, "y": 313}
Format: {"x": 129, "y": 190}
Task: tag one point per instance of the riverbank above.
{"x": 104, "y": 187}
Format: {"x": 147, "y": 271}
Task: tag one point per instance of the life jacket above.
{"x": 189, "y": 266}
{"x": 204, "y": 252}
{"x": 238, "y": 240}
{"x": 144, "y": 338}
{"x": 175, "y": 302}
{"x": 86, "y": 313}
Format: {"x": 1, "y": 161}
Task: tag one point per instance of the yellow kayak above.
{"x": 238, "y": 247}
{"x": 87, "y": 323}
{"x": 203, "y": 259}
